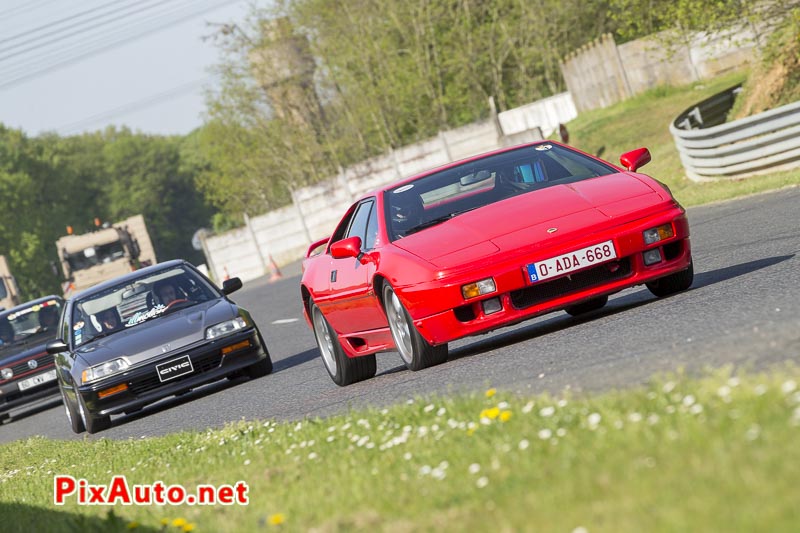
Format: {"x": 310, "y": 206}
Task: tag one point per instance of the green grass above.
{"x": 718, "y": 453}
{"x": 644, "y": 121}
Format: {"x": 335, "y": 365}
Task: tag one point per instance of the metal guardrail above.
{"x": 711, "y": 149}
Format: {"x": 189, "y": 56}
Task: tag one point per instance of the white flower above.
{"x": 652, "y": 419}
{"x": 561, "y": 432}
{"x": 594, "y": 419}
{"x": 330, "y": 438}
{"x": 733, "y": 382}
{"x": 580, "y": 529}
{"x": 503, "y": 405}
{"x": 527, "y": 408}
{"x": 545, "y": 434}
{"x": 760, "y": 389}
{"x": 441, "y": 411}
{"x": 474, "y": 468}
{"x": 788, "y": 386}
{"x": 425, "y": 470}
{"x": 407, "y": 456}
{"x": 246, "y": 462}
{"x": 723, "y": 391}
{"x": 482, "y": 482}
{"x": 753, "y": 433}
{"x": 523, "y": 444}
{"x": 428, "y": 408}
{"x": 438, "y": 474}
{"x": 634, "y": 417}
{"x": 688, "y": 400}
{"x": 668, "y": 386}
{"x": 562, "y": 403}
{"x": 547, "y": 411}
{"x": 696, "y": 409}
{"x": 312, "y": 455}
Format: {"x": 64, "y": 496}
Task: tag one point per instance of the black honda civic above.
{"x": 156, "y": 332}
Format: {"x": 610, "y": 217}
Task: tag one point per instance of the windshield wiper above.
{"x": 99, "y": 336}
{"x": 438, "y": 220}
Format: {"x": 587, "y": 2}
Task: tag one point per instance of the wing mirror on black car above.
{"x": 56, "y": 346}
{"x": 231, "y": 285}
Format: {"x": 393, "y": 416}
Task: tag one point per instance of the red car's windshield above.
{"x": 440, "y": 196}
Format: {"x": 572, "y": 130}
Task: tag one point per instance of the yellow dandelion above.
{"x": 491, "y": 392}
{"x": 505, "y": 416}
{"x": 276, "y": 519}
{"x": 491, "y": 414}
{"x": 188, "y": 527}
{"x": 179, "y": 522}
{"x": 133, "y": 525}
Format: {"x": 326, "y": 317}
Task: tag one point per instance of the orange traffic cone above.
{"x": 276, "y": 272}
{"x": 227, "y": 276}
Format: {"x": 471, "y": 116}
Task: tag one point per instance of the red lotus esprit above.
{"x": 484, "y": 243}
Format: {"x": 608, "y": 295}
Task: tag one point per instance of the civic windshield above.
{"x": 438, "y": 197}
{"x": 27, "y": 323}
{"x": 136, "y": 301}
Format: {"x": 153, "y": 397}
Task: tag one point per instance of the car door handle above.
{"x": 333, "y": 276}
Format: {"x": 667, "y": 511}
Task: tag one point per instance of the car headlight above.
{"x": 7, "y": 373}
{"x": 479, "y": 288}
{"x": 658, "y": 233}
{"x": 93, "y": 373}
{"x": 226, "y": 328}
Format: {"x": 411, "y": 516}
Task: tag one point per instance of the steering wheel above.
{"x": 176, "y": 301}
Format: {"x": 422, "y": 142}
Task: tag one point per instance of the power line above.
{"x": 134, "y": 106}
{"x": 90, "y": 48}
{"x": 121, "y": 14}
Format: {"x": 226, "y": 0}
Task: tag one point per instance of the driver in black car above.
{"x": 166, "y": 291}
{"x": 6, "y": 332}
{"x": 48, "y": 318}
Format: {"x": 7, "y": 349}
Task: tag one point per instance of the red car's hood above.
{"x": 523, "y": 221}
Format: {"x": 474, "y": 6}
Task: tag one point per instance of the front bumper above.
{"x": 12, "y": 397}
{"x": 144, "y": 387}
{"x": 521, "y": 300}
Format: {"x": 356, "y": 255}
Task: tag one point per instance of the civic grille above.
{"x": 541, "y": 292}
{"x": 202, "y": 363}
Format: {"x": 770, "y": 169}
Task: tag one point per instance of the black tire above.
{"x": 587, "y": 307}
{"x": 677, "y": 282}
{"x": 260, "y": 369}
{"x": 93, "y": 424}
{"x": 343, "y": 370}
{"x": 73, "y": 418}
{"x": 414, "y": 350}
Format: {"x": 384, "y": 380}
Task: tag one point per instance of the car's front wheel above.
{"x": 74, "y": 420}
{"x": 343, "y": 370}
{"x": 677, "y": 282}
{"x": 92, "y": 423}
{"x": 415, "y": 351}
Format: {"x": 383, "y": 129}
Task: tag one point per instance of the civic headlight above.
{"x": 226, "y": 328}
{"x": 7, "y": 373}
{"x": 658, "y": 233}
{"x": 93, "y": 373}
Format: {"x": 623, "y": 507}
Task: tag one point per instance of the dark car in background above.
{"x": 157, "y": 332}
{"x": 27, "y": 371}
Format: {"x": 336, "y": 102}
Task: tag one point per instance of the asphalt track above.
{"x": 743, "y": 309}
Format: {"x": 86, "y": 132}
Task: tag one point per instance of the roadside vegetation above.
{"x": 716, "y": 453}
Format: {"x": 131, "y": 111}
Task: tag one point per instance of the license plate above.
{"x": 572, "y": 261}
{"x": 26, "y": 384}
{"x": 174, "y": 368}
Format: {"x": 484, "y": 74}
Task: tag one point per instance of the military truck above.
{"x": 9, "y": 291}
{"x": 105, "y": 253}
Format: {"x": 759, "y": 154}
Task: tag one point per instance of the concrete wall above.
{"x": 283, "y": 235}
{"x": 604, "y": 73}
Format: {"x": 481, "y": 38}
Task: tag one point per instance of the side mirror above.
{"x": 231, "y": 285}
{"x": 635, "y": 159}
{"x": 56, "y": 346}
{"x": 347, "y": 248}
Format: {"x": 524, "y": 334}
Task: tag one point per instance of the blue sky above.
{"x": 152, "y": 83}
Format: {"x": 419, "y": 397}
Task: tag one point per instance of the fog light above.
{"x": 492, "y": 305}
{"x": 7, "y": 373}
{"x": 658, "y": 233}
{"x": 652, "y": 257}
{"x": 479, "y": 288}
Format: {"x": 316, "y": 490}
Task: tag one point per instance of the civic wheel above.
{"x": 415, "y": 351}
{"x": 74, "y": 420}
{"x": 92, "y": 423}
{"x": 677, "y": 282}
{"x": 586, "y": 307}
{"x": 343, "y": 370}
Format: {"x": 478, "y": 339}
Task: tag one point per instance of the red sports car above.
{"x": 484, "y": 243}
